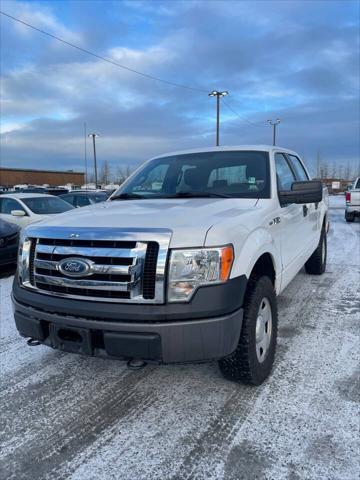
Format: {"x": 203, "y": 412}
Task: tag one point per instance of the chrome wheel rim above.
{"x": 263, "y": 329}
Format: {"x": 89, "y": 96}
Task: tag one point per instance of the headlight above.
{"x": 24, "y": 259}
{"x": 192, "y": 268}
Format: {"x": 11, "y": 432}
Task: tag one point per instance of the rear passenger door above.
{"x": 311, "y": 211}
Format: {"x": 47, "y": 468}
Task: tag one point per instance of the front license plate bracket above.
{"x": 69, "y": 339}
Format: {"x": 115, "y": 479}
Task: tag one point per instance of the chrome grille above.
{"x": 121, "y": 270}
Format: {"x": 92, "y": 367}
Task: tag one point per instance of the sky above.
{"x": 293, "y": 60}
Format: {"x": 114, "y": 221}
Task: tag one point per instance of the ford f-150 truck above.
{"x": 182, "y": 264}
{"x": 352, "y": 197}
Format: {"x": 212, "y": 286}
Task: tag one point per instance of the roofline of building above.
{"x": 41, "y": 171}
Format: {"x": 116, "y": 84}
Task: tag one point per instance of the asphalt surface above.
{"x": 65, "y": 416}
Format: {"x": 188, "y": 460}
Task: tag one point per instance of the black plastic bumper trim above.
{"x": 181, "y": 341}
{"x": 210, "y": 301}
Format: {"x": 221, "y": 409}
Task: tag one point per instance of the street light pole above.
{"x": 218, "y": 95}
{"x": 276, "y": 122}
{"x": 85, "y": 155}
{"x": 94, "y": 135}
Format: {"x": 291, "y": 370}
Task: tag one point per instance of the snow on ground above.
{"x": 67, "y": 416}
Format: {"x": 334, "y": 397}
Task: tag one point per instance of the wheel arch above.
{"x": 265, "y": 266}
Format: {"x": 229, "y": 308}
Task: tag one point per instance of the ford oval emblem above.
{"x": 75, "y": 267}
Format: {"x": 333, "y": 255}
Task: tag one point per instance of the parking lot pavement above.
{"x": 67, "y": 416}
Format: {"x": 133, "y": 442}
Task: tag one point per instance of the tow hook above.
{"x": 136, "y": 364}
{"x": 33, "y": 343}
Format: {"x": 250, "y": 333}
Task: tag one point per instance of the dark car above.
{"x": 82, "y": 199}
{"x": 9, "y": 242}
{"x": 57, "y": 191}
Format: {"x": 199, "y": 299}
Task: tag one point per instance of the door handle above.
{"x": 305, "y": 210}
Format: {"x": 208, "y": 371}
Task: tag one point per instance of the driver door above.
{"x": 311, "y": 211}
{"x": 291, "y": 223}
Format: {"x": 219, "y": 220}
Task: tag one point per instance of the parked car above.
{"x": 183, "y": 263}
{"x": 352, "y": 198}
{"x": 9, "y": 242}
{"x": 83, "y": 199}
{"x": 56, "y": 191}
{"x": 26, "y": 208}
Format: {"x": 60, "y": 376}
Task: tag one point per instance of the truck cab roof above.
{"x": 257, "y": 148}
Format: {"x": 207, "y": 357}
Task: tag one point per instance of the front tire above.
{"x": 252, "y": 361}
{"x": 316, "y": 264}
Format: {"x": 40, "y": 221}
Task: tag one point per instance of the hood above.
{"x": 188, "y": 219}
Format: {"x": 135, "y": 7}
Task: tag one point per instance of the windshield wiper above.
{"x": 199, "y": 194}
{"x": 127, "y": 196}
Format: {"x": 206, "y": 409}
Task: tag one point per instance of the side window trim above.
{"x": 288, "y": 155}
{"x": 277, "y": 183}
{"x": 288, "y": 163}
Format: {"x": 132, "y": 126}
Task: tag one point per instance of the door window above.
{"x": 9, "y": 204}
{"x": 298, "y": 168}
{"x": 68, "y": 198}
{"x": 284, "y": 174}
{"x": 81, "y": 201}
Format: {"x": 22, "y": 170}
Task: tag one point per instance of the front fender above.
{"x": 256, "y": 243}
{"x": 248, "y": 248}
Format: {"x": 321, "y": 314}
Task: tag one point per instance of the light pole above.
{"x": 276, "y": 122}
{"x": 85, "y": 155}
{"x": 218, "y": 95}
{"x": 94, "y": 135}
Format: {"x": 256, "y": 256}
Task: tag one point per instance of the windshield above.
{"x": 236, "y": 174}
{"x": 46, "y": 205}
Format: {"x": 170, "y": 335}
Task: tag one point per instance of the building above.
{"x": 15, "y": 176}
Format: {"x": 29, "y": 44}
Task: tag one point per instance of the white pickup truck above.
{"x": 182, "y": 264}
{"x": 352, "y": 197}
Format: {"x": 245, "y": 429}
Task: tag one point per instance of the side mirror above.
{"x": 302, "y": 192}
{"x": 18, "y": 213}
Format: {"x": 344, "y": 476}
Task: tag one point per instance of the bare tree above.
{"x": 341, "y": 173}
{"x": 324, "y": 170}
{"x": 318, "y": 165}
{"x": 355, "y": 172}
{"x": 333, "y": 170}
{"x": 120, "y": 176}
{"x": 347, "y": 171}
{"x": 105, "y": 172}
{"x": 91, "y": 177}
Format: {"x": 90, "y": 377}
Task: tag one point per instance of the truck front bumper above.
{"x": 172, "y": 339}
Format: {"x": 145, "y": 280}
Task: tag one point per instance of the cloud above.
{"x": 293, "y": 60}
{"x": 39, "y": 16}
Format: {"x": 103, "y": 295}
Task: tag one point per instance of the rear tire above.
{"x": 316, "y": 264}
{"x": 349, "y": 217}
{"x": 252, "y": 361}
